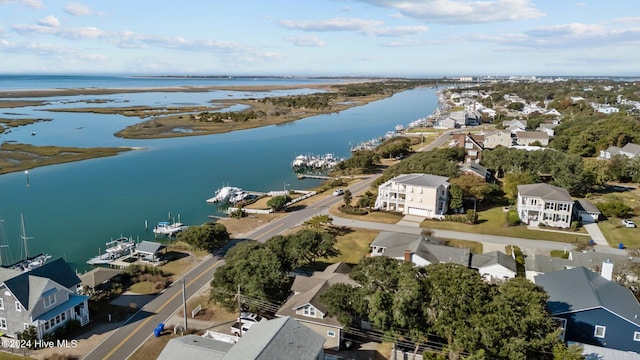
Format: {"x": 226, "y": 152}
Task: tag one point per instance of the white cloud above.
{"x": 50, "y": 21}
{"x": 77, "y": 9}
{"x": 462, "y": 11}
{"x": 335, "y": 24}
{"x": 34, "y": 4}
{"x": 363, "y": 26}
{"x": 306, "y": 41}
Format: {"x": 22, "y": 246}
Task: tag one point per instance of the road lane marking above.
{"x": 166, "y": 303}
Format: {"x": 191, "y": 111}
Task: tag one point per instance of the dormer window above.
{"x": 49, "y": 297}
{"x": 309, "y": 311}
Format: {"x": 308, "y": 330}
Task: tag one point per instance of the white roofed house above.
{"x": 545, "y": 204}
{"x": 44, "y": 298}
{"x": 415, "y": 194}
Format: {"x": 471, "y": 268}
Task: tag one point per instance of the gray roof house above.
{"x": 423, "y": 251}
{"x": 526, "y": 138}
{"x": 630, "y": 150}
{"x": 149, "y": 250}
{"x": 418, "y": 194}
{"x": 592, "y": 310}
{"x": 44, "y": 298}
{"x": 594, "y": 261}
{"x": 544, "y": 204}
{"x": 305, "y": 305}
{"x": 587, "y": 212}
{"x": 278, "y": 339}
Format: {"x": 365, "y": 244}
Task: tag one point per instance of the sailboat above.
{"x": 29, "y": 263}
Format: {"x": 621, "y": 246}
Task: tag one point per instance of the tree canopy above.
{"x": 205, "y": 237}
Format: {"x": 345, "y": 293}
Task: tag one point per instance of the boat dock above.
{"x": 323, "y": 177}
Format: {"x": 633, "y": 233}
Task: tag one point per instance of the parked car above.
{"x": 338, "y": 192}
{"x": 239, "y": 329}
{"x": 246, "y": 317}
{"x": 628, "y": 223}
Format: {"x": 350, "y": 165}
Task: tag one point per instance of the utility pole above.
{"x": 184, "y": 304}
{"x": 239, "y": 311}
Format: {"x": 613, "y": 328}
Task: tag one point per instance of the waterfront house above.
{"x": 415, "y": 194}
{"x": 423, "y": 251}
{"x": 44, "y": 298}
{"x": 544, "y": 204}
{"x": 497, "y": 138}
{"x": 283, "y": 339}
{"x": 592, "y": 309}
{"x": 526, "y": 138}
{"x": 305, "y": 305}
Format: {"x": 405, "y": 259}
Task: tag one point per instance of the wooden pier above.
{"x": 323, "y": 177}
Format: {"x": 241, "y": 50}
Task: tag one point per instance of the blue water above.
{"x": 72, "y": 209}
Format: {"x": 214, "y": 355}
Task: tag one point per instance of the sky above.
{"x": 413, "y": 38}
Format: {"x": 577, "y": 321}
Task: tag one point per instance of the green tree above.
{"x": 513, "y": 179}
{"x": 517, "y": 324}
{"x": 277, "y": 203}
{"x": 453, "y": 311}
{"x": 472, "y": 186}
{"x": 455, "y": 199}
{"x": 347, "y": 197}
{"x": 344, "y": 302}
{"x": 319, "y": 222}
{"x": 205, "y": 237}
{"x": 571, "y": 352}
{"x": 256, "y": 269}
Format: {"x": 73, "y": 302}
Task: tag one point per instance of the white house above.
{"x": 544, "y": 204}
{"x": 415, "y": 194}
{"x": 423, "y": 251}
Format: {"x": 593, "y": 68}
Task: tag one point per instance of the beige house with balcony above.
{"x": 544, "y": 204}
{"x": 415, "y": 194}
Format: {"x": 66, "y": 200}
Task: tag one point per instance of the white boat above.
{"x": 29, "y": 263}
{"x": 224, "y": 194}
{"x": 115, "y": 249}
{"x": 169, "y": 229}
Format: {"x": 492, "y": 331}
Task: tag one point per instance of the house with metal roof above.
{"x": 592, "y": 310}
{"x": 305, "y": 305}
{"x": 44, "y": 298}
{"x": 423, "y": 251}
{"x": 415, "y": 194}
{"x": 149, "y": 251}
{"x": 277, "y": 339}
{"x": 544, "y": 204}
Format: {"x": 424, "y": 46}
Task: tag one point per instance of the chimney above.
{"x": 607, "y": 269}
{"x": 407, "y": 255}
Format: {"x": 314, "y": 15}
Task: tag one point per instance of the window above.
{"x": 331, "y": 333}
{"x": 468, "y": 145}
{"x": 563, "y": 207}
{"x": 46, "y": 326}
{"x": 63, "y": 317}
{"x": 562, "y": 324}
{"x": 549, "y": 206}
{"x": 18, "y": 307}
{"x": 600, "y": 330}
{"x": 3, "y": 323}
{"x": 636, "y": 336}
{"x": 309, "y": 311}
{"x": 1, "y": 303}
{"x": 52, "y": 322}
{"x": 49, "y": 300}
{"x": 57, "y": 319}
{"x": 27, "y": 326}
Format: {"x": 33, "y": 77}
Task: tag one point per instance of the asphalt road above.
{"x": 132, "y": 333}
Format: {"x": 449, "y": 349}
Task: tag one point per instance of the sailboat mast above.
{"x": 24, "y": 237}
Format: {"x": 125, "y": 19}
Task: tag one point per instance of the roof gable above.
{"x": 545, "y": 192}
{"x": 580, "y": 289}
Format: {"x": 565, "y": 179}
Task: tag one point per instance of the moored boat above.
{"x": 169, "y": 229}
{"x": 116, "y": 249}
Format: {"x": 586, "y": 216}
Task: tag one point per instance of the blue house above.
{"x": 592, "y": 310}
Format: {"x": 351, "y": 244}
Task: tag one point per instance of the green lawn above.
{"x": 492, "y": 222}
{"x": 143, "y": 287}
{"x": 616, "y": 233}
{"x": 354, "y": 246}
